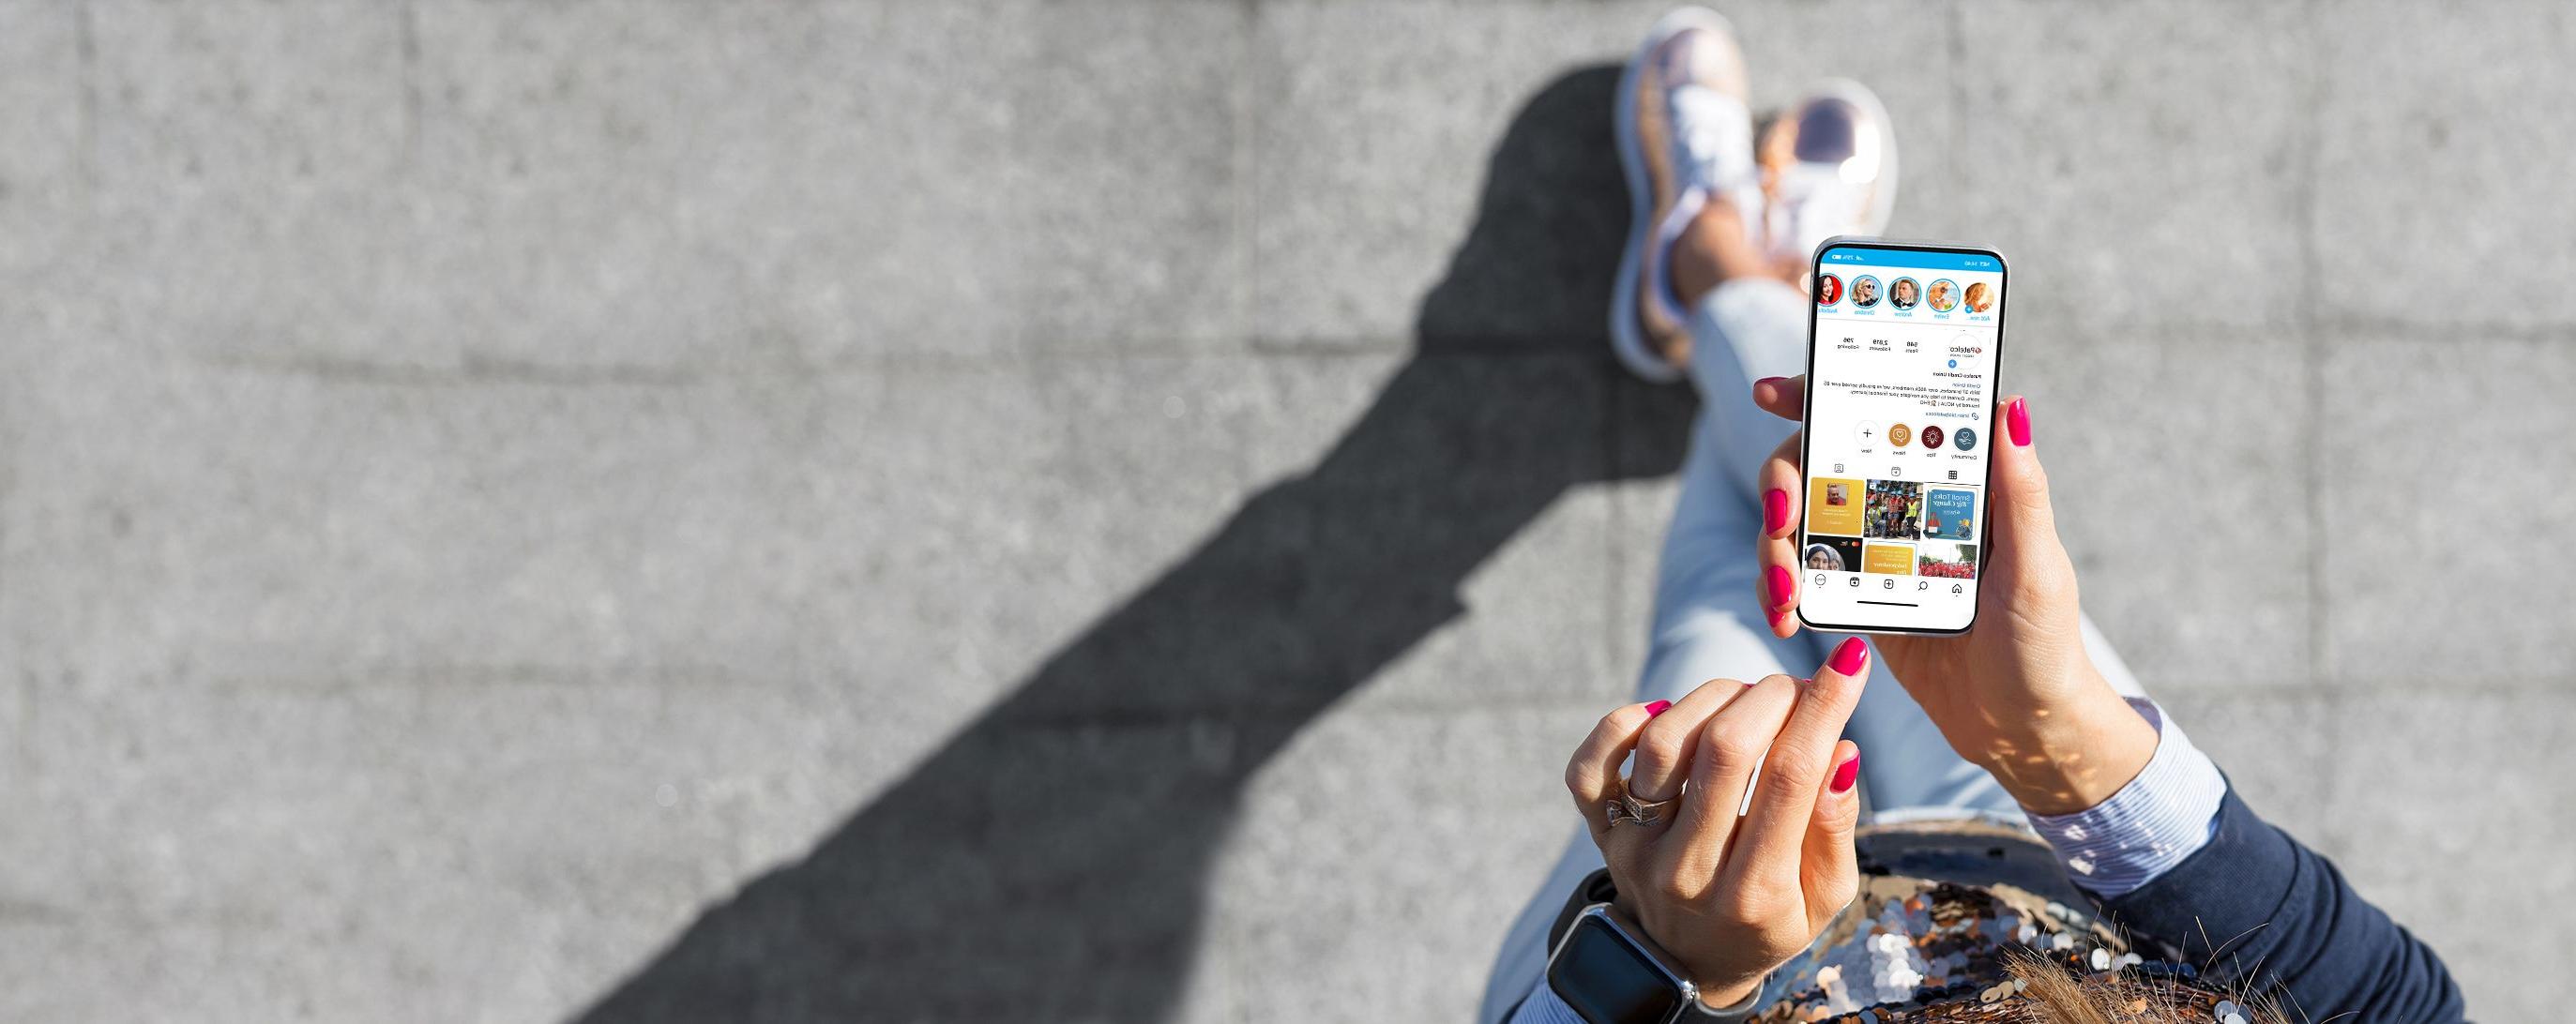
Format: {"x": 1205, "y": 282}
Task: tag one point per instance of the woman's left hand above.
{"x": 2018, "y": 695}
{"x": 1732, "y": 897}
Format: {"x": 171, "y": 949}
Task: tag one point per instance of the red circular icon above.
{"x": 1931, "y": 437}
{"x": 1829, "y": 289}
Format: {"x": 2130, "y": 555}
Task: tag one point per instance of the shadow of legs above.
{"x": 1051, "y": 862}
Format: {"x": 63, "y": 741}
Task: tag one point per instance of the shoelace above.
{"x": 1713, "y": 136}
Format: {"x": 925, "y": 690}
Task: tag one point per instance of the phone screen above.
{"x": 1901, "y": 358}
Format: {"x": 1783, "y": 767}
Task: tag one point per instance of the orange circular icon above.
{"x": 1899, "y": 434}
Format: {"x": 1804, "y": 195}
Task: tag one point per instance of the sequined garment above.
{"x": 1908, "y": 941}
{"x": 1938, "y": 912}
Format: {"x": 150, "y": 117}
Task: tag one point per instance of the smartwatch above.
{"x": 1608, "y": 972}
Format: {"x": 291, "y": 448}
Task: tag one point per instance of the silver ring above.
{"x": 1626, "y": 807}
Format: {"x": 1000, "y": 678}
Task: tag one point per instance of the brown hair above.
{"x": 2055, "y": 995}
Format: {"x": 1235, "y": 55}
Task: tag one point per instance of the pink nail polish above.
{"x": 1849, "y": 658}
{"x": 1775, "y": 510}
{"x": 1782, "y": 587}
{"x": 1847, "y": 774}
{"x": 2017, "y": 420}
{"x": 1776, "y": 615}
{"x": 1658, "y": 707}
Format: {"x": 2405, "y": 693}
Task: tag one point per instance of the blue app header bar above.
{"x": 1926, "y": 259}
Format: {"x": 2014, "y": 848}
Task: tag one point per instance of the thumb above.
{"x": 2024, "y": 519}
{"x": 1828, "y": 872}
{"x": 2028, "y": 572}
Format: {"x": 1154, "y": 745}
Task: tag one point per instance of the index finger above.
{"x": 1775, "y": 828}
{"x": 1592, "y": 774}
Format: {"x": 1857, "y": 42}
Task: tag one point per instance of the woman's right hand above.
{"x": 2017, "y": 693}
{"x": 1732, "y": 897}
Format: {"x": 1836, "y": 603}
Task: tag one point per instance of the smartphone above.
{"x": 1903, "y": 344}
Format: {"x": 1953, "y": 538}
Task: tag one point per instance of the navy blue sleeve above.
{"x": 2255, "y": 909}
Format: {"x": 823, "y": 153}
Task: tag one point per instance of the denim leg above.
{"x": 1709, "y": 621}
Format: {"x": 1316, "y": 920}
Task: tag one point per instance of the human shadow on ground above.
{"x": 1052, "y": 861}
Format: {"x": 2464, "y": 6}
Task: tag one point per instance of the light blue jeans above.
{"x": 1709, "y": 622}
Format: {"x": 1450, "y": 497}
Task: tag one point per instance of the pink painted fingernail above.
{"x": 1849, "y": 658}
{"x": 1775, "y": 510}
{"x": 1776, "y": 616}
{"x": 2017, "y": 420}
{"x": 1658, "y": 707}
{"x": 1781, "y": 586}
{"x": 1847, "y": 774}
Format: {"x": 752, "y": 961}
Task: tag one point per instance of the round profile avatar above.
{"x": 1824, "y": 557}
{"x": 1829, "y": 289}
{"x": 1904, "y": 294}
{"x": 1981, "y": 298}
{"x": 1931, "y": 437}
{"x": 1964, "y": 439}
{"x": 1899, "y": 434}
{"x": 1864, "y": 291}
{"x": 1943, "y": 296}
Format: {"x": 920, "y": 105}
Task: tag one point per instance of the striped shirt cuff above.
{"x": 1543, "y": 1007}
{"x": 2160, "y": 818}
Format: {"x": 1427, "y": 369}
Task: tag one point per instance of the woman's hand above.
{"x": 1732, "y": 897}
{"x": 2016, "y": 694}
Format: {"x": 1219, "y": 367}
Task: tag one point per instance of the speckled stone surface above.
{"x": 1116, "y": 510}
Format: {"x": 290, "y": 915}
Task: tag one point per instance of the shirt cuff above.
{"x": 1543, "y": 1007}
{"x": 2161, "y": 817}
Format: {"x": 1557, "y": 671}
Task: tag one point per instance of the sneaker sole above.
{"x": 1627, "y": 338}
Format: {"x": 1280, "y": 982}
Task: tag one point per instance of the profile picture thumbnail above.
{"x": 1906, "y": 293}
{"x": 1894, "y": 510}
{"x": 1981, "y": 298}
{"x": 1864, "y": 291}
{"x": 1931, "y": 437}
{"x": 1964, "y": 439}
{"x": 1829, "y": 289}
{"x": 1831, "y": 554}
{"x": 1943, "y": 296}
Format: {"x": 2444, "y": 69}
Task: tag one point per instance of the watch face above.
{"x": 1608, "y": 980}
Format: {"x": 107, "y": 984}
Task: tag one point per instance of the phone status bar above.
{"x": 1925, "y": 259}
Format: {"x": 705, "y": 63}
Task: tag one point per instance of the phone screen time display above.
{"x": 1900, "y": 411}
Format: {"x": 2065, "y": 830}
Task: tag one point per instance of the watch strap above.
{"x": 1594, "y": 888}
{"x": 1741, "y": 1011}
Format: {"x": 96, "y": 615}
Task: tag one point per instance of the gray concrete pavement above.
{"x": 655, "y": 511}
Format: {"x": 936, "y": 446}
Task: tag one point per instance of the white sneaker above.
{"x": 1838, "y": 174}
{"x": 1685, "y": 138}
